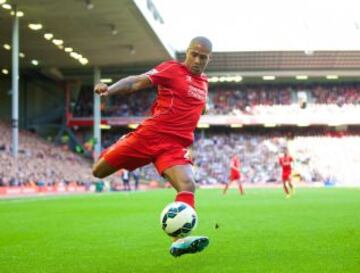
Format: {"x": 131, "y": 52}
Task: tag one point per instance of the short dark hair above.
{"x": 203, "y": 41}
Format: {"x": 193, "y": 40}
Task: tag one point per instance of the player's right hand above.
{"x": 101, "y": 89}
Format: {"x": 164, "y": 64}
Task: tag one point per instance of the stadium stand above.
{"x": 40, "y": 162}
{"x": 43, "y": 163}
{"x": 316, "y": 153}
{"x": 319, "y": 158}
{"x": 244, "y": 99}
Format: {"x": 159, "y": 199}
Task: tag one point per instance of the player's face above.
{"x": 197, "y": 58}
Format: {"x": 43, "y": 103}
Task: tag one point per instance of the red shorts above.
{"x": 234, "y": 175}
{"x": 286, "y": 176}
{"x": 142, "y": 147}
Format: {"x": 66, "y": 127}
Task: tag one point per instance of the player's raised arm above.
{"x": 124, "y": 86}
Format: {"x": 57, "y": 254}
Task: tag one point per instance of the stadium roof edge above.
{"x": 112, "y": 33}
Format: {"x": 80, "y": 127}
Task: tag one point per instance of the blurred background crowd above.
{"x": 319, "y": 155}
{"x": 40, "y": 162}
{"x": 246, "y": 99}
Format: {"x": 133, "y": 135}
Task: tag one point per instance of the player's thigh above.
{"x": 128, "y": 153}
{"x": 172, "y": 155}
{"x": 173, "y": 162}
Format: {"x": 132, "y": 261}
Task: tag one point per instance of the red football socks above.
{"x": 186, "y": 197}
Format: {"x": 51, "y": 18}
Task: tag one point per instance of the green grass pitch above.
{"x": 318, "y": 230}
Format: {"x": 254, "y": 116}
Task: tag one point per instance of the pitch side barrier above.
{"x": 38, "y": 190}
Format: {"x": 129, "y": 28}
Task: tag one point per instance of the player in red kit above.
{"x": 285, "y": 162}
{"x": 235, "y": 174}
{"x": 163, "y": 139}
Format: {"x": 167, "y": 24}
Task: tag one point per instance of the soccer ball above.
{"x": 178, "y": 219}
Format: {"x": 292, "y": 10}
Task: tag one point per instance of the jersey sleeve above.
{"x": 161, "y": 74}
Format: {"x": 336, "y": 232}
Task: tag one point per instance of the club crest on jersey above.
{"x": 188, "y": 79}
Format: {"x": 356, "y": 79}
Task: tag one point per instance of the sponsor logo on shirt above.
{"x": 197, "y": 93}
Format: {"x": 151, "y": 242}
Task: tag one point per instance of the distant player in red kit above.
{"x": 285, "y": 162}
{"x": 163, "y": 138}
{"x": 235, "y": 174}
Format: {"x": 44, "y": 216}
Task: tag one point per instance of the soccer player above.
{"x": 235, "y": 174}
{"x": 163, "y": 138}
{"x": 136, "y": 176}
{"x": 285, "y": 162}
{"x": 125, "y": 176}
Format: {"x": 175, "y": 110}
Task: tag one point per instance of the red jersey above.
{"x": 180, "y": 101}
{"x": 235, "y": 164}
{"x": 285, "y": 163}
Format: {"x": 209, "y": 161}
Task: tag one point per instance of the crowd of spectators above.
{"x": 335, "y": 158}
{"x": 258, "y": 155}
{"x": 317, "y": 158}
{"x": 39, "y": 162}
{"x": 228, "y": 100}
{"x": 319, "y": 155}
{"x": 244, "y": 99}
{"x": 336, "y": 94}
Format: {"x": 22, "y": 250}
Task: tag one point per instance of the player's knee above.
{"x": 96, "y": 171}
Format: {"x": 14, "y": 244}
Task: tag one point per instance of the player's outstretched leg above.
{"x": 182, "y": 179}
{"x": 188, "y": 245}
